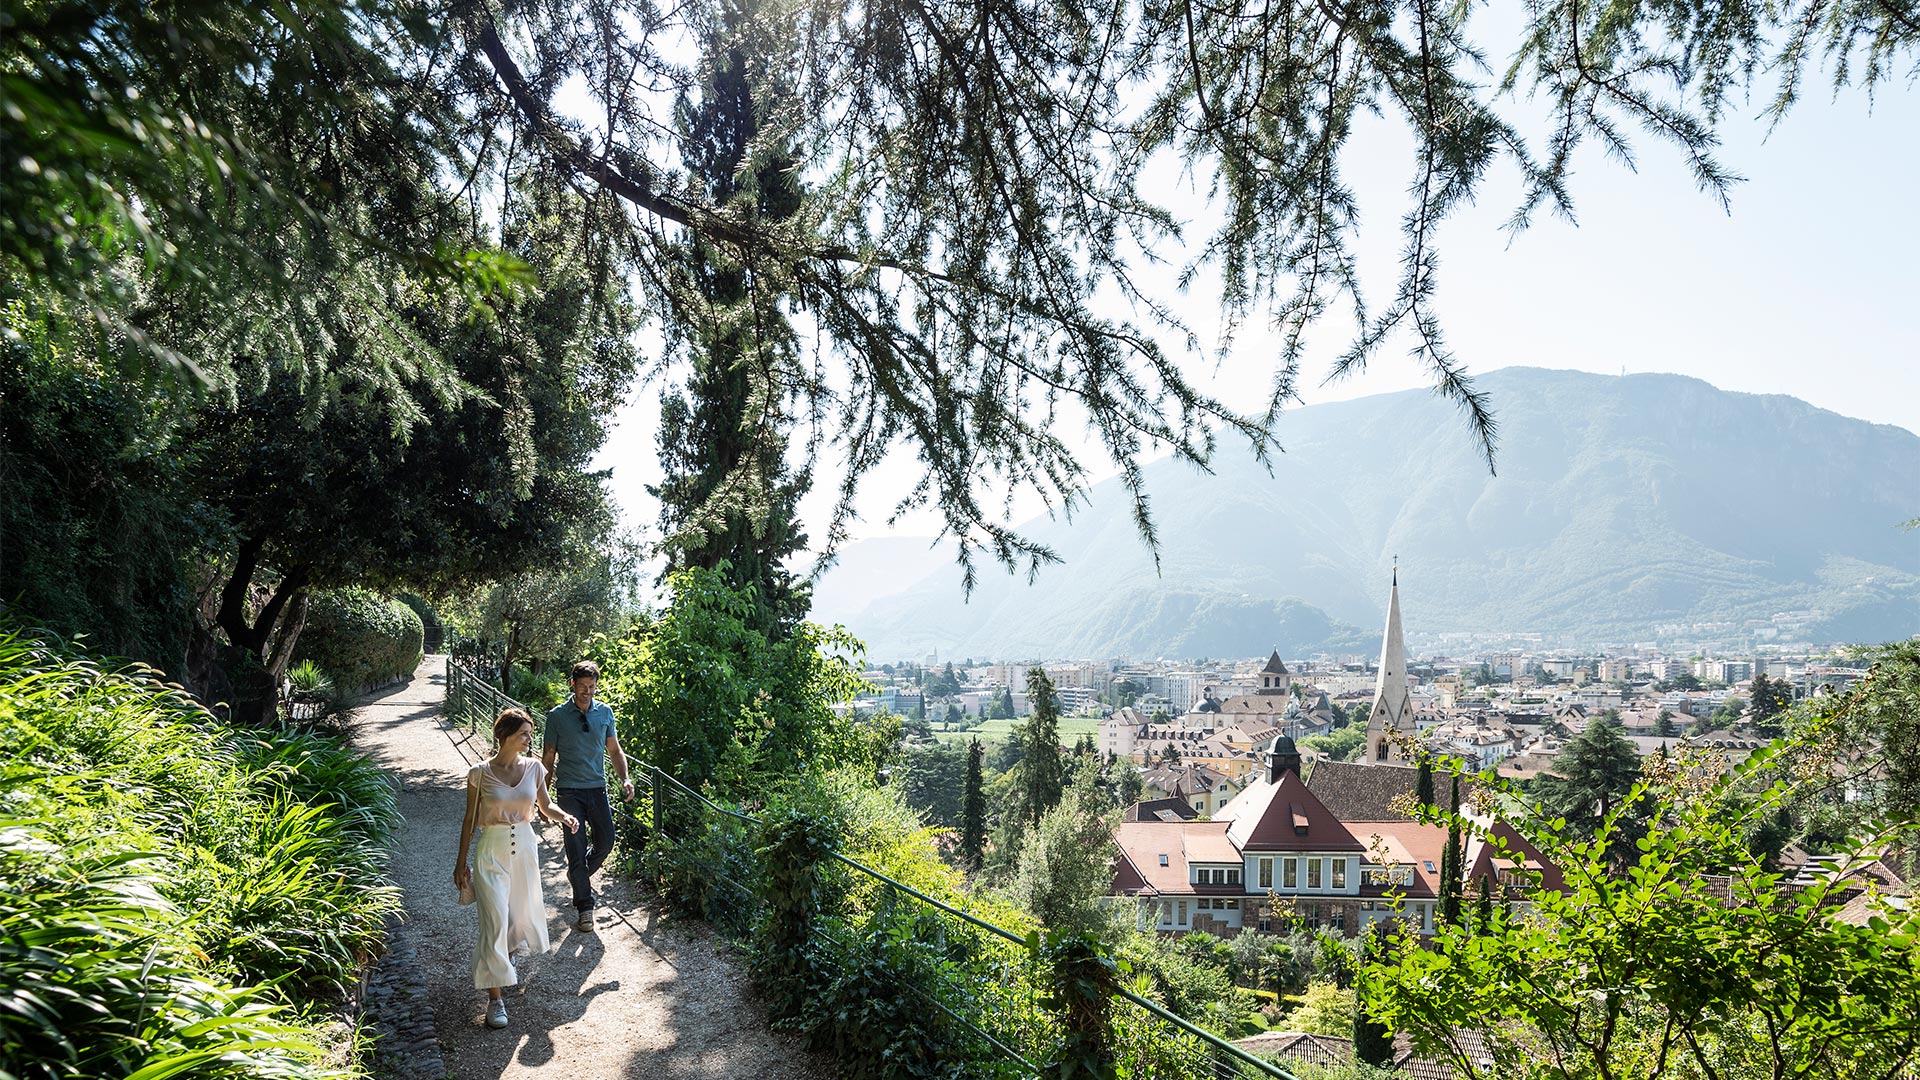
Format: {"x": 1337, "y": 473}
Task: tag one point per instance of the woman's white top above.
{"x": 508, "y": 794}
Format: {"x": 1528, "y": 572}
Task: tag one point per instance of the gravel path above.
{"x": 641, "y": 998}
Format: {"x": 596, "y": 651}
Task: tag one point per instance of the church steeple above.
{"x": 1274, "y": 679}
{"x": 1392, "y": 707}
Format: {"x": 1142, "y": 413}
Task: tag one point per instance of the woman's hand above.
{"x": 462, "y": 874}
{"x": 572, "y": 823}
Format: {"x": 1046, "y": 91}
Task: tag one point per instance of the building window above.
{"x": 1182, "y": 921}
{"x": 1338, "y": 920}
{"x": 1313, "y": 873}
{"x": 1290, "y": 873}
{"x": 1339, "y": 873}
{"x": 1233, "y": 905}
{"x": 1163, "y": 860}
{"x": 1233, "y": 876}
{"x": 1266, "y": 873}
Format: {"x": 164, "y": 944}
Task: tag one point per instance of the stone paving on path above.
{"x": 640, "y": 998}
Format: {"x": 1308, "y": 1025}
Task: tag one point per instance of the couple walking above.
{"x": 503, "y": 795}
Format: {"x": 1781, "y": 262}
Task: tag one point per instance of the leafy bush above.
{"x": 219, "y": 857}
{"x": 360, "y": 638}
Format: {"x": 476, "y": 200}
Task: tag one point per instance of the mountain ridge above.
{"x": 1618, "y": 503}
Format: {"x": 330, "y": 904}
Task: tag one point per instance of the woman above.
{"x": 503, "y": 794}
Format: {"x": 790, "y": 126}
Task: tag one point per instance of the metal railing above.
{"x": 473, "y": 703}
{"x": 713, "y": 861}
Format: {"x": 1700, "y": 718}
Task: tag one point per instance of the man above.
{"x": 580, "y": 736}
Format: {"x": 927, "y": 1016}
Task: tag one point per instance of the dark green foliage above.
{"x": 727, "y": 498}
{"x": 1372, "y": 1041}
{"x": 1042, "y": 775}
{"x": 1592, "y": 773}
{"x": 1451, "y": 872}
{"x": 1081, "y": 992}
{"x": 1423, "y": 785}
{"x": 1771, "y": 699}
{"x": 973, "y": 812}
{"x": 932, "y": 780}
{"x": 359, "y": 638}
{"x": 97, "y": 526}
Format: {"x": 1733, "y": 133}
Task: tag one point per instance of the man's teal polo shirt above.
{"x": 582, "y": 761}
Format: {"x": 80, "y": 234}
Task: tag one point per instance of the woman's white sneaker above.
{"x": 497, "y": 1013}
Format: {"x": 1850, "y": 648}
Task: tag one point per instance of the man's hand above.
{"x": 626, "y": 789}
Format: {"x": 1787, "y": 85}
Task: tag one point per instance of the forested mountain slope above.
{"x": 1621, "y": 503}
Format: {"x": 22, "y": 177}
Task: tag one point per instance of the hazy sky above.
{"x": 1808, "y": 288}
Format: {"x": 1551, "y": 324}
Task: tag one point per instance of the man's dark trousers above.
{"x": 590, "y": 805}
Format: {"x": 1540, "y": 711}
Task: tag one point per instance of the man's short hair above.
{"x": 584, "y": 668}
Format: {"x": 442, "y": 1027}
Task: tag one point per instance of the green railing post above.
{"x": 791, "y": 852}
{"x": 1080, "y": 991}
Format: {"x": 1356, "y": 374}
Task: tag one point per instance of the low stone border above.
{"x": 395, "y": 1009}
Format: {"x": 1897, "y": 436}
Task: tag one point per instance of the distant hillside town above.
{"x": 1280, "y": 793}
{"x": 1204, "y": 725}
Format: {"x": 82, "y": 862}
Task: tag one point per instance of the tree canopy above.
{"x": 963, "y": 267}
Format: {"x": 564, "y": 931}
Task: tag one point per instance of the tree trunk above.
{"x": 260, "y": 634}
{"x": 232, "y": 616}
{"x": 291, "y": 626}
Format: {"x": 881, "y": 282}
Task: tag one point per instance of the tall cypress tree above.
{"x": 1372, "y": 1042}
{"x": 1450, "y": 860}
{"x": 973, "y": 811}
{"x": 728, "y": 496}
{"x": 1042, "y": 776}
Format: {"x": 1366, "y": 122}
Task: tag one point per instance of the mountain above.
{"x": 1621, "y": 504}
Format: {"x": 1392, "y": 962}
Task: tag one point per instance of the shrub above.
{"x": 360, "y": 638}
{"x": 144, "y": 832}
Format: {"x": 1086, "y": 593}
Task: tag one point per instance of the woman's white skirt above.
{"x": 513, "y": 913}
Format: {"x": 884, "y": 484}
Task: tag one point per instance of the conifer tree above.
{"x": 1450, "y": 860}
{"x": 1372, "y": 1042}
{"x": 1592, "y": 773}
{"x": 1042, "y": 775}
{"x": 728, "y": 496}
{"x": 1423, "y": 789}
{"x": 973, "y": 811}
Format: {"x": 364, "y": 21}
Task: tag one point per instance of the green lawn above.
{"x": 991, "y": 731}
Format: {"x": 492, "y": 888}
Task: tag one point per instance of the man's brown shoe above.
{"x": 584, "y": 923}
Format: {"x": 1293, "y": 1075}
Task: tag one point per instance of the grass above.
{"x": 992, "y": 731}
{"x": 174, "y": 894}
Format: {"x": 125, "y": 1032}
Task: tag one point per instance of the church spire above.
{"x": 1392, "y": 707}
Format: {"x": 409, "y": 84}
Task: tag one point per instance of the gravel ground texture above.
{"x": 641, "y": 997}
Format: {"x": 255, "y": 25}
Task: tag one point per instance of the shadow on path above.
{"x": 643, "y": 997}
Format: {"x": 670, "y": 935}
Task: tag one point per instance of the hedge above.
{"x": 360, "y": 638}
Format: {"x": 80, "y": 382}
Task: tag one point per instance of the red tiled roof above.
{"x": 1184, "y": 843}
{"x": 1284, "y": 817}
{"x": 1407, "y": 842}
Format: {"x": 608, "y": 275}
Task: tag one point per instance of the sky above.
{"x": 1808, "y": 286}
